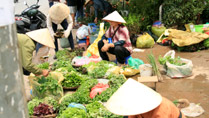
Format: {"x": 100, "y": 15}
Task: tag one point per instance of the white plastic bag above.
{"x": 175, "y": 71}
{"x": 193, "y": 110}
{"x": 83, "y": 31}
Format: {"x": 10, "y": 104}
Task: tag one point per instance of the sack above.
{"x": 83, "y": 31}
{"x": 93, "y": 48}
{"x": 158, "y": 30}
{"x": 134, "y": 62}
{"x": 175, "y": 71}
{"x": 145, "y": 41}
{"x": 64, "y": 42}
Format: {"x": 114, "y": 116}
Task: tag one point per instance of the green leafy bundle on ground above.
{"x": 97, "y": 110}
{"x": 98, "y": 70}
{"x": 174, "y": 61}
{"x": 73, "y": 113}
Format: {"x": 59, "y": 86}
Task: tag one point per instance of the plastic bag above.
{"x": 64, "y": 43}
{"x": 193, "y": 110}
{"x": 83, "y": 31}
{"x": 129, "y": 71}
{"x": 134, "y": 62}
{"x": 145, "y": 70}
{"x": 113, "y": 70}
{"x": 93, "y": 48}
{"x": 175, "y": 71}
{"x": 145, "y": 41}
{"x": 99, "y": 88}
{"x": 158, "y": 30}
{"x": 79, "y": 61}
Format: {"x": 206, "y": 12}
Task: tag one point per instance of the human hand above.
{"x": 45, "y": 73}
{"x": 105, "y": 48}
{"x": 95, "y": 20}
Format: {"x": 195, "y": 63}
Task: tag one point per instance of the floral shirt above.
{"x": 121, "y": 34}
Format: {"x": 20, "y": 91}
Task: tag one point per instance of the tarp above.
{"x": 183, "y": 38}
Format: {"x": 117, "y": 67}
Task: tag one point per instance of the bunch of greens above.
{"x": 63, "y": 54}
{"x": 82, "y": 95}
{"x": 97, "y": 110}
{"x": 72, "y": 79}
{"x": 151, "y": 60}
{"x": 174, "y": 61}
{"x": 47, "y": 100}
{"x": 43, "y": 110}
{"x": 47, "y": 86}
{"x": 73, "y": 113}
{"x": 61, "y": 63}
{"x": 115, "y": 81}
{"x": 98, "y": 70}
{"x": 44, "y": 65}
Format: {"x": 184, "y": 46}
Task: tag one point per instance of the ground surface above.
{"x": 194, "y": 88}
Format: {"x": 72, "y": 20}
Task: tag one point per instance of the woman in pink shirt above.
{"x": 116, "y": 40}
{"x": 136, "y": 100}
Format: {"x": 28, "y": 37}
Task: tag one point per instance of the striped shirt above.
{"x": 121, "y": 34}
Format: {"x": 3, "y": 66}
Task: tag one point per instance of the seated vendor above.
{"x": 136, "y": 100}
{"x": 118, "y": 35}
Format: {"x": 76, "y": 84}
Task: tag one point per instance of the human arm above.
{"x": 70, "y": 26}
{"x": 49, "y": 26}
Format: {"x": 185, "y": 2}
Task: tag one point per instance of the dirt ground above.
{"x": 194, "y": 88}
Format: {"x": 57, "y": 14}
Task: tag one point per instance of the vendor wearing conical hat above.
{"x": 121, "y": 45}
{"x": 60, "y": 14}
{"x": 136, "y": 100}
{"x": 27, "y": 44}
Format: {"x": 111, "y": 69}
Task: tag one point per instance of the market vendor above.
{"x": 27, "y": 44}
{"x": 60, "y": 14}
{"x": 136, "y": 100}
{"x": 118, "y": 35}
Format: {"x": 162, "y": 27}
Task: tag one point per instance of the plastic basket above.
{"x": 198, "y": 28}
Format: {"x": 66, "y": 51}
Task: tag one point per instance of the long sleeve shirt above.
{"x": 165, "y": 110}
{"x": 26, "y": 48}
{"x": 122, "y": 34}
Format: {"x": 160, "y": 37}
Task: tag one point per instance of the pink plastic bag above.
{"x": 99, "y": 88}
{"x": 79, "y": 61}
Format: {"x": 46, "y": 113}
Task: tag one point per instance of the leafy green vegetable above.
{"x": 47, "y": 86}
{"x": 33, "y": 103}
{"x": 73, "y": 113}
{"x": 72, "y": 79}
{"x": 175, "y": 61}
{"x": 61, "y": 63}
{"x": 97, "y": 110}
{"x": 98, "y": 70}
{"x": 206, "y": 43}
{"x": 44, "y": 65}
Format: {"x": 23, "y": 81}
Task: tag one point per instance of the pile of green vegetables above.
{"x": 98, "y": 70}
{"x": 44, "y": 65}
{"x": 68, "y": 54}
{"x": 175, "y": 61}
{"x": 47, "y": 100}
{"x": 46, "y": 86}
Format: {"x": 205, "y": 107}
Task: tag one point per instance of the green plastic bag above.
{"x": 145, "y": 41}
{"x": 135, "y": 63}
{"x": 64, "y": 43}
{"x": 158, "y": 31}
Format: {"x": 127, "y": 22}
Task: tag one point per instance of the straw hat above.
{"x": 87, "y": 1}
{"x": 133, "y": 98}
{"x": 114, "y": 16}
{"x": 42, "y": 36}
{"x": 59, "y": 12}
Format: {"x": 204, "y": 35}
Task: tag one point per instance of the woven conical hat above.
{"x": 42, "y": 36}
{"x": 59, "y": 12}
{"x": 114, "y": 16}
{"x": 133, "y": 98}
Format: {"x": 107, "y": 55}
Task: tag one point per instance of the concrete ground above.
{"x": 194, "y": 88}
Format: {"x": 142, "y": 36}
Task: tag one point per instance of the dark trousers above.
{"x": 64, "y": 24}
{"x": 119, "y": 51}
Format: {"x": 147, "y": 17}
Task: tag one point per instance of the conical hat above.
{"x": 133, "y": 98}
{"x": 59, "y": 12}
{"x": 114, "y": 16}
{"x": 42, "y": 36}
{"x": 87, "y": 1}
